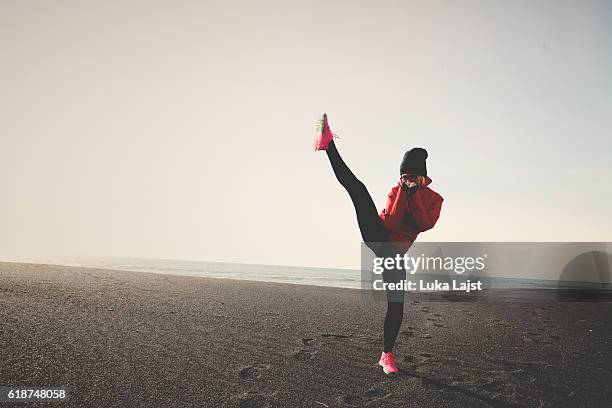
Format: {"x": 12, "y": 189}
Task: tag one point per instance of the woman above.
{"x": 412, "y": 207}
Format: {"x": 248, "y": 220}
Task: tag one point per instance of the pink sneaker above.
{"x": 387, "y": 362}
{"x": 323, "y": 134}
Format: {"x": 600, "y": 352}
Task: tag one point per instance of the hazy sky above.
{"x": 183, "y": 129}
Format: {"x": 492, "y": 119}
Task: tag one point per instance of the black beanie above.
{"x": 414, "y": 162}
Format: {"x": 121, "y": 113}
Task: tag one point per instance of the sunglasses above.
{"x": 410, "y": 177}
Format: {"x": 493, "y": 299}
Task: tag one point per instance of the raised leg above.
{"x": 370, "y": 225}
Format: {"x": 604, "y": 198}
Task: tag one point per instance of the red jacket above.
{"x": 405, "y": 216}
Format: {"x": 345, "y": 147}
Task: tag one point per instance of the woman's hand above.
{"x": 409, "y": 186}
{"x": 412, "y": 180}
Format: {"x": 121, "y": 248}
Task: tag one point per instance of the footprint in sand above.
{"x": 369, "y": 339}
{"x": 432, "y": 384}
{"x": 438, "y": 324}
{"x": 407, "y": 333}
{"x": 253, "y": 399}
{"x": 335, "y": 336}
{"x": 409, "y": 358}
{"x": 366, "y": 398}
{"x": 495, "y": 322}
{"x": 415, "y": 361}
{"x": 304, "y": 355}
{"x": 308, "y": 341}
{"x": 253, "y": 372}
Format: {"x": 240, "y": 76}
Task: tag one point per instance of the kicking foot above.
{"x": 387, "y": 362}
{"x": 323, "y": 134}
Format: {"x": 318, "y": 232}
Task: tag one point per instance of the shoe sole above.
{"x": 319, "y": 131}
{"x": 387, "y": 372}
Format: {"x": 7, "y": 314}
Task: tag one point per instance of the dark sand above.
{"x": 141, "y": 339}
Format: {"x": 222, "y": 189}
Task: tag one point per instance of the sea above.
{"x": 341, "y": 278}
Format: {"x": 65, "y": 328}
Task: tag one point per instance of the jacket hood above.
{"x": 427, "y": 181}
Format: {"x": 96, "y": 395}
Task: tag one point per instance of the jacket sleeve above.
{"x": 396, "y": 208}
{"x": 424, "y": 218}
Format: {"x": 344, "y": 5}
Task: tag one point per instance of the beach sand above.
{"x": 142, "y": 339}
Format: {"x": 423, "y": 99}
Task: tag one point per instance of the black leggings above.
{"x": 372, "y": 231}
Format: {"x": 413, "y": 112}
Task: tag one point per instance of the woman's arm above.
{"x": 424, "y": 218}
{"x": 396, "y": 207}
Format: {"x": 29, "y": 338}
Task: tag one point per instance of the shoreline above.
{"x": 605, "y": 290}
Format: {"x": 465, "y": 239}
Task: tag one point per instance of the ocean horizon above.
{"x": 302, "y": 275}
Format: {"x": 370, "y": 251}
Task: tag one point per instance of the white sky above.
{"x": 183, "y": 129}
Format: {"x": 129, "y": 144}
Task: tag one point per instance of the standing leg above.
{"x": 395, "y": 308}
{"x": 393, "y": 323}
{"x": 393, "y": 319}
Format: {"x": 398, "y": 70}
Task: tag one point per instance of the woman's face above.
{"x": 411, "y": 180}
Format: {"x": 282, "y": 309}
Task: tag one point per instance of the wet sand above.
{"x": 141, "y": 339}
